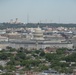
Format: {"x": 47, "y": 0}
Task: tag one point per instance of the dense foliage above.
{"x": 37, "y": 60}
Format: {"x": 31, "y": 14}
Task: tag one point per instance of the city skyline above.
{"x": 46, "y": 11}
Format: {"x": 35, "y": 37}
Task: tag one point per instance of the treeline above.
{"x": 50, "y": 25}
{"x": 8, "y": 25}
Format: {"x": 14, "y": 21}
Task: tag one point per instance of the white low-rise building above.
{"x": 2, "y": 38}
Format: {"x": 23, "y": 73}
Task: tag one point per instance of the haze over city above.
{"x": 37, "y": 37}
{"x": 47, "y": 11}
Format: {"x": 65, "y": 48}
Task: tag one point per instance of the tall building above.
{"x": 16, "y": 21}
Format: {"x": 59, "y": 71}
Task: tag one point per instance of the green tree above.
{"x": 3, "y": 56}
{"x": 43, "y": 67}
{"x": 42, "y": 53}
{"x": 10, "y": 68}
{"x": 1, "y": 67}
{"x": 61, "y": 51}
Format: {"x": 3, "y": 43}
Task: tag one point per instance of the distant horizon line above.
{"x": 40, "y": 23}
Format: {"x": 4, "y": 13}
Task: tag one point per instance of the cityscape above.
{"x": 37, "y": 37}
{"x": 37, "y": 45}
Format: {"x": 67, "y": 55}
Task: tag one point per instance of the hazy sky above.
{"x": 55, "y": 11}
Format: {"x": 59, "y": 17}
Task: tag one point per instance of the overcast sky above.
{"x": 55, "y": 11}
